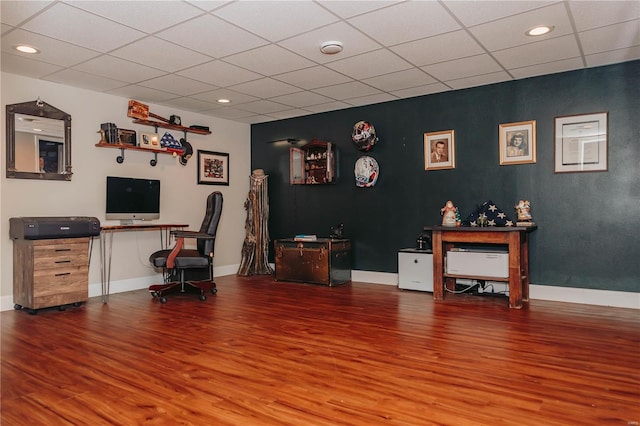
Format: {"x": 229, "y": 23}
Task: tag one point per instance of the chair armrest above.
{"x": 192, "y": 234}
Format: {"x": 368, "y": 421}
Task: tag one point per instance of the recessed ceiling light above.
{"x": 26, "y": 49}
{"x": 539, "y": 30}
{"x": 331, "y": 47}
{"x": 223, "y": 101}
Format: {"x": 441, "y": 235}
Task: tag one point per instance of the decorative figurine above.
{"x": 450, "y": 216}
{"x": 337, "y": 232}
{"x": 523, "y": 209}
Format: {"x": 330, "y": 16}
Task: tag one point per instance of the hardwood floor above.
{"x": 267, "y": 353}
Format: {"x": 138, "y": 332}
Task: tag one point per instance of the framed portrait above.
{"x": 439, "y": 150}
{"x": 518, "y": 143}
{"x": 581, "y": 143}
{"x": 213, "y": 168}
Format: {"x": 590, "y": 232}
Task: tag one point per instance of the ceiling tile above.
{"x": 535, "y": 53}
{"x": 613, "y": 56}
{"x": 405, "y": 22}
{"x": 421, "y": 90}
{"x": 84, "y": 80}
{"x": 228, "y": 113}
{"x": 262, "y": 107}
{"x": 479, "y": 80}
{"x": 216, "y": 37}
{"x": 188, "y": 104}
{"x": 347, "y": 9}
{"x": 140, "y": 14}
{"x": 510, "y": 32}
{"x": 302, "y": 99}
{"x": 400, "y": 80}
{"x": 118, "y": 69}
{"x": 276, "y": 20}
{"x": 353, "y": 41}
{"x": 547, "y": 68}
{"x": 595, "y": 14}
{"x": 51, "y": 50}
{"x": 311, "y": 78}
{"x": 347, "y": 90}
{"x": 611, "y": 37}
{"x": 329, "y": 106}
{"x": 143, "y": 94}
{"x": 370, "y": 64}
{"x": 270, "y": 60}
{"x": 235, "y": 97}
{"x": 88, "y": 30}
{"x": 372, "y": 99}
{"x": 465, "y": 67}
{"x": 177, "y": 84}
{"x": 17, "y": 64}
{"x": 477, "y": 12}
{"x": 265, "y": 88}
{"x": 446, "y": 47}
{"x": 14, "y": 12}
{"x": 160, "y": 54}
{"x": 219, "y": 73}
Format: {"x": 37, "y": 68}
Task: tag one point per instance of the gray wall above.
{"x": 588, "y": 223}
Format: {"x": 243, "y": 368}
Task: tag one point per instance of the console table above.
{"x": 106, "y": 243}
{"x": 515, "y": 238}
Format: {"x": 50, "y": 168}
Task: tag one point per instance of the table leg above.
{"x": 524, "y": 259}
{"x": 515, "y": 271}
{"x": 438, "y": 265}
{"x": 106, "y": 242}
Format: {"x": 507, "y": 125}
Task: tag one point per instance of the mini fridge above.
{"x": 415, "y": 269}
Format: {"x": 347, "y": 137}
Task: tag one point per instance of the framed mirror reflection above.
{"x": 38, "y": 142}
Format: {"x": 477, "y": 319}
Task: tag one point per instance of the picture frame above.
{"x": 127, "y": 137}
{"x": 439, "y": 150}
{"x": 581, "y": 143}
{"x": 518, "y": 143}
{"x": 149, "y": 141}
{"x": 213, "y": 168}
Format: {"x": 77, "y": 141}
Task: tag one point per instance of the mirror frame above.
{"x": 40, "y": 109}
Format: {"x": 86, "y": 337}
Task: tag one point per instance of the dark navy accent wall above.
{"x": 588, "y": 223}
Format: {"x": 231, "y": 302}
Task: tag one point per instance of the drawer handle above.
{"x": 63, "y": 273}
{"x": 280, "y": 251}
{"x": 321, "y": 254}
{"x": 63, "y": 249}
{"x": 300, "y": 246}
{"x": 62, "y": 261}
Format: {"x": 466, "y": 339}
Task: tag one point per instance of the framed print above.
{"x": 518, "y": 143}
{"x": 213, "y": 168}
{"x": 581, "y": 143}
{"x": 149, "y": 140}
{"x": 439, "y": 150}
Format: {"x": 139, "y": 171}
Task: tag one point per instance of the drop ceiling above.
{"x": 265, "y": 56}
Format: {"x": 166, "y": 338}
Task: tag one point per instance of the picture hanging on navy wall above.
{"x": 364, "y": 135}
{"x": 366, "y": 172}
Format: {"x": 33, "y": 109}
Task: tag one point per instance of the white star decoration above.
{"x": 491, "y": 223}
{"x": 509, "y": 223}
{"x": 492, "y": 207}
{"x": 501, "y": 215}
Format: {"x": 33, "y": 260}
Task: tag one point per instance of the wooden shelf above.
{"x": 171, "y": 127}
{"x": 123, "y": 148}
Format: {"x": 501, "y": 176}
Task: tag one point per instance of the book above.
{"x": 305, "y": 237}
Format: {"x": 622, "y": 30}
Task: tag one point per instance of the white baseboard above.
{"x": 616, "y": 299}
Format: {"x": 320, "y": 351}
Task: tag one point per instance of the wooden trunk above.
{"x": 50, "y": 272}
{"x": 324, "y": 261}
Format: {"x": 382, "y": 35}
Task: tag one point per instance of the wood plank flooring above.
{"x": 267, "y": 353}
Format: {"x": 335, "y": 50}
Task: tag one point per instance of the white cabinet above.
{"x": 415, "y": 269}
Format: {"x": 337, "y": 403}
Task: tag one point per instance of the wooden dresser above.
{"x": 324, "y": 261}
{"x": 50, "y": 272}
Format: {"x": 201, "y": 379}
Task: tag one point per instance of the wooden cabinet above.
{"x": 324, "y": 261}
{"x": 312, "y": 164}
{"x": 50, "y": 272}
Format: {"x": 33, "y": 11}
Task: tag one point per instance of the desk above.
{"x": 106, "y": 243}
{"x": 516, "y": 238}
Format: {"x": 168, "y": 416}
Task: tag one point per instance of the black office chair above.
{"x": 174, "y": 262}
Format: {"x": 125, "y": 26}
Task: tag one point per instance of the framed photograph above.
{"x": 581, "y": 143}
{"x": 149, "y": 140}
{"x": 213, "y": 168}
{"x": 439, "y": 150}
{"x": 518, "y": 143}
{"x": 127, "y": 137}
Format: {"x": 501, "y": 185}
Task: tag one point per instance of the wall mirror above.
{"x": 38, "y": 142}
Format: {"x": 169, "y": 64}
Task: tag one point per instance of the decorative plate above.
{"x": 366, "y": 171}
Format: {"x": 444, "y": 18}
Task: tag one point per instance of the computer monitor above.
{"x": 130, "y": 199}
